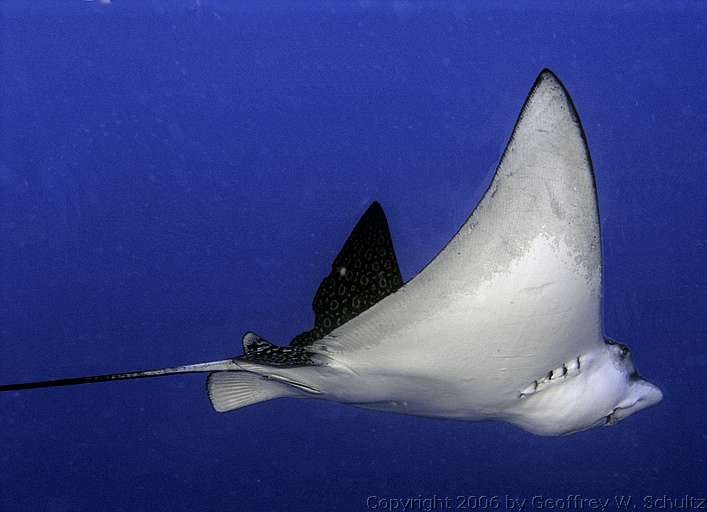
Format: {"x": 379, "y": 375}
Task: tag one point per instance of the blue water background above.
{"x": 173, "y": 174}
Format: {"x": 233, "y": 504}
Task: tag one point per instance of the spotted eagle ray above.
{"x": 504, "y": 324}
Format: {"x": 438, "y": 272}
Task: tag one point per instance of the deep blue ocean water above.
{"x": 174, "y": 173}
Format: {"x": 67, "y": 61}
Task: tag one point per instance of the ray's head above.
{"x": 638, "y": 393}
{"x": 598, "y": 388}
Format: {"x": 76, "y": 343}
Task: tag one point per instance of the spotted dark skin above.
{"x": 365, "y": 272}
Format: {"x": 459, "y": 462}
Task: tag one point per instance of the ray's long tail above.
{"x": 231, "y": 384}
{"x": 213, "y": 366}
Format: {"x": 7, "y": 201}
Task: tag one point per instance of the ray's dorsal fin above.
{"x": 365, "y": 272}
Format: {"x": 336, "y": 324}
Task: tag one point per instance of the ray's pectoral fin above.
{"x": 365, "y": 272}
{"x": 233, "y": 390}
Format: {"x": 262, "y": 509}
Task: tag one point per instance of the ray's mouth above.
{"x": 610, "y": 418}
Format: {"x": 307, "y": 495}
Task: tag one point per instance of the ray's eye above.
{"x": 625, "y": 351}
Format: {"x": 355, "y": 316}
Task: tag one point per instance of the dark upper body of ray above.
{"x": 365, "y": 272}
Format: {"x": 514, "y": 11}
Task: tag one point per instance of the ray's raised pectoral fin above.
{"x": 365, "y": 272}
